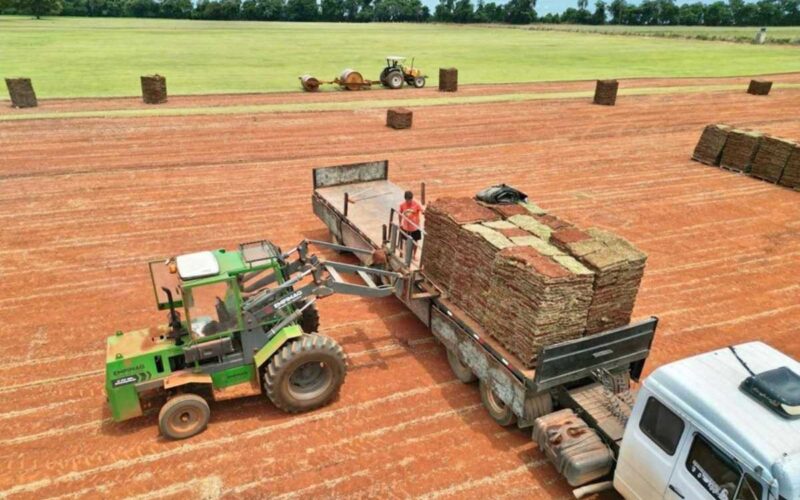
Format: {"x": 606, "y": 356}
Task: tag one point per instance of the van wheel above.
{"x": 461, "y": 371}
{"x": 183, "y": 416}
{"x": 498, "y": 410}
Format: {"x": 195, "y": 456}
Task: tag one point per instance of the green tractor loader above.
{"x": 240, "y": 323}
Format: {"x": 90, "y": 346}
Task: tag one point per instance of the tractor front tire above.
{"x": 309, "y": 320}
{"x": 183, "y": 416}
{"x": 305, "y": 374}
{"x": 419, "y": 82}
{"x": 394, "y": 80}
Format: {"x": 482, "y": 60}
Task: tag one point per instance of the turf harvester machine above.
{"x": 392, "y": 76}
{"x": 249, "y": 327}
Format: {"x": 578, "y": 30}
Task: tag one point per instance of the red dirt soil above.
{"x": 85, "y": 203}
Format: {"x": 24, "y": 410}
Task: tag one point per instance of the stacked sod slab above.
{"x": 764, "y": 156}
{"x": 771, "y": 158}
{"x": 399, "y": 118}
{"x": 759, "y": 87}
{"x": 502, "y": 265}
{"x": 21, "y": 92}
{"x": 605, "y": 92}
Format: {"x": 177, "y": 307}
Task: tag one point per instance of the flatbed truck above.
{"x": 703, "y": 427}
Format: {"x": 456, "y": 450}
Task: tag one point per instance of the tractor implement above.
{"x": 349, "y": 79}
{"x": 248, "y": 327}
{"x": 393, "y": 75}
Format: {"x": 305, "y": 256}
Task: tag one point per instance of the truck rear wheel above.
{"x": 305, "y": 374}
{"x": 461, "y": 371}
{"x": 498, "y": 410}
{"x": 183, "y": 416}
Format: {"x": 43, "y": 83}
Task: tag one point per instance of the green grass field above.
{"x": 777, "y": 34}
{"x": 70, "y": 57}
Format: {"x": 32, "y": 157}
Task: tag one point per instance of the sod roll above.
{"x": 20, "y": 90}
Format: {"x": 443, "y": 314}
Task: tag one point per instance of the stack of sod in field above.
{"x": 740, "y": 149}
{"x": 443, "y": 220}
{"x": 771, "y": 158}
{"x": 154, "y": 89}
{"x": 712, "y": 141}
{"x": 618, "y": 268}
{"x": 537, "y": 300}
{"x": 20, "y": 90}
{"x": 508, "y": 271}
{"x": 759, "y": 87}
{"x": 791, "y": 173}
{"x": 399, "y": 118}
{"x": 605, "y": 92}
{"x": 448, "y": 79}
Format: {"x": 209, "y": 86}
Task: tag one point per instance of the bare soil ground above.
{"x": 84, "y": 203}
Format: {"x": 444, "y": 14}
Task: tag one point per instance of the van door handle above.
{"x": 675, "y": 490}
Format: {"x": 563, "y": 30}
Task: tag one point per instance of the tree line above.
{"x": 647, "y": 12}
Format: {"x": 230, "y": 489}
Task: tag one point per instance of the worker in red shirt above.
{"x": 410, "y": 224}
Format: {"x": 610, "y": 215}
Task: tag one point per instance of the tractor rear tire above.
{"x": 183, "y": 416}
{"x": 419, "y": 82}
{"x": 309, "y": 321}
{"x": 384, "y": 72}
{"x": 305, "y": 374}
{"x": 394, "y": 80}
{"x": 497, "y": 409}
{"x": 461, "y": 371}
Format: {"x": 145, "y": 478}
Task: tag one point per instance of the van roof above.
{"x": 705, "y": 388}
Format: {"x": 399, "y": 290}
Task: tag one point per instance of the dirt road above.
{"x": 85, "y": 203}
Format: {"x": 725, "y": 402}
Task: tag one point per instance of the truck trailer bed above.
{"x": 365, "y": 222}
{"x": 369, "y": 205}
